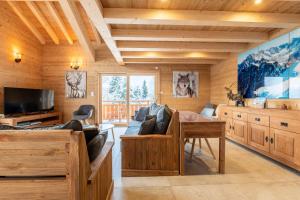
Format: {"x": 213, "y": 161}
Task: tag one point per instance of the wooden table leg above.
{"x": 181, "y": 151}
{"x": 222, "y": 155}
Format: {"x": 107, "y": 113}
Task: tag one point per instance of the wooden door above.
{"x": 285, "y": 145}
{"x": 259, "y": 137}
{"x": 239, "y": 132}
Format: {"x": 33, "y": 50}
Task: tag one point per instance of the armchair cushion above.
{"x": 141, "y": 114}
{"x": 84, "y": 112}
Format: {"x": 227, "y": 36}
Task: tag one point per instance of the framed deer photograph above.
{"x": 75, "y": 84}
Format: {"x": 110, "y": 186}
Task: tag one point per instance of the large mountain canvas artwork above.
{"x": 271, "y": 70}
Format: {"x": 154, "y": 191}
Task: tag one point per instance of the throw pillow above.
{"x": 74, "y": 125}
{"x": 148, "y": 117}
{"x": 147, "y": 126}
{"x": 141, "y": 114}
{"x": 163, "y": 119}
{"x": 154, "y": 108}
{"x": 95, "y": 146}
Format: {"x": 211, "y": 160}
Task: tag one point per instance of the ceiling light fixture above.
{"x": 258, "y": 2}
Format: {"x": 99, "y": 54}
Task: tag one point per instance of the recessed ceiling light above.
{"x": 258, "y": 2}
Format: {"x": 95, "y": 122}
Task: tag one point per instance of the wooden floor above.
{"x": 248, "y": 176}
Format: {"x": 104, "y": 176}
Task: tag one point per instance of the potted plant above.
{"x": 237, "y": 98}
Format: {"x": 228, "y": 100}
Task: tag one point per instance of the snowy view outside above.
{"x": 115, "y": 108}
{"x": 114, "y": 88}
{"x": 141, "y": 88}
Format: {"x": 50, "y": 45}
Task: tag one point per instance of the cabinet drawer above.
{"x": 285, "y": 124}
{"x": 240, "y": 116}
{"x": 259, "y": 119}
{"x": 226, "y": 113}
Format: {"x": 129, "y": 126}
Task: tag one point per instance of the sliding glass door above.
{"x": 141, "y": 92}
{"x": 122, "y": 95}
{"x": 114, "y": 99}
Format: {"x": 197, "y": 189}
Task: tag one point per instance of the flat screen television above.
{"x": 23, "y": 101}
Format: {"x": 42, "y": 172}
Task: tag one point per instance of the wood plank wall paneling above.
{"x": 222, "y": 74}
{"x": 56, "y": 61}
{"x": 225, "y": 73}
{"x": 15, "y": 35}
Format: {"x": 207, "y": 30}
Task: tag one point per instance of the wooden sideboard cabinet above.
{"x": 259, "y": 136}
{"x": 274, "y": 133}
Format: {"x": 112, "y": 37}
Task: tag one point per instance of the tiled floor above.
{"x": 249, "y": 176}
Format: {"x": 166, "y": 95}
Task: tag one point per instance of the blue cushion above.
{"x": 134, "y": 130}
{"x": 134, "y": 123}
{"x": 141, "y": 114}
{"x": 207, "y": 112}
{"x": 162, "y": 120}
{"x": 154, "y": 108}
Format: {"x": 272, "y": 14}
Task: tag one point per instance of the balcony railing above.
{"x": 119, "y": 111}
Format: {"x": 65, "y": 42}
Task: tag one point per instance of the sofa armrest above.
{"x": 98, "y": 162}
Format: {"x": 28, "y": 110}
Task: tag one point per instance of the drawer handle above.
{"x": 225, "y": 113}
{"x": 267, "y": 139}
{"x": 257, "y": 119}
{"x": 271, "y": 140}
{"x": 233, "y": 128}
{"x": 239, "y": 116}
{"x": 285, "y": 124}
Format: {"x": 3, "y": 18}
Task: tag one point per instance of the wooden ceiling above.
{"x": 159, "y": 31}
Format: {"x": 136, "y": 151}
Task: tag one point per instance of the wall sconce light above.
{"x": 76, "y": 64}
{"x": 18, "y": 57}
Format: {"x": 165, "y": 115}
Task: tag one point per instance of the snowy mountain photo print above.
{"x": 271, "y": 70}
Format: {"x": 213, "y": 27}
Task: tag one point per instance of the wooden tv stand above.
{"x": 35, "y": 120}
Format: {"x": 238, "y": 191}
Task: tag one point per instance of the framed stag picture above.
{"x": 75, "y": 84}
{"x": 185, "y": 84}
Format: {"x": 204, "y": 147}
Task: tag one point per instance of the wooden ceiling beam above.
{"x": 59, "y": 21}
{"x": 37, "y": 13}
{"x": 176, "y": 55}
{"x": 199, "y": 18}
{"x": 189, "y": 36}
{"x": 29, "y": 25}
{"x": 170, "y": 61}
{"x": 181, "y": 46}
{"x": 97, "y": 36}
{"x": 94, "y": 10}
{"x": 71, "y": 12}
